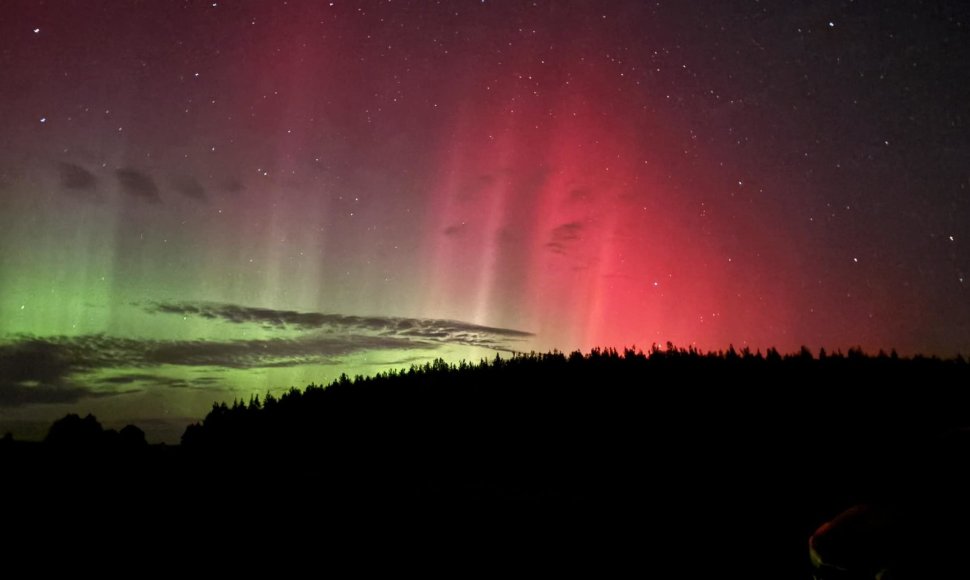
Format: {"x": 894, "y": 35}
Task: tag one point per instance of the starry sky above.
{"x": 204, "y": 200}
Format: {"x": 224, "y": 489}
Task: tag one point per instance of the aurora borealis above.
{"x": 206, "y": 200}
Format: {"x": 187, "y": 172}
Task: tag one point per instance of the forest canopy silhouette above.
{"x": 722, "y": 448}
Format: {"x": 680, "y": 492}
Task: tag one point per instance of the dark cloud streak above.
{"x": 386, "y": 326}
{"x": 564, "y": 235}
{"x": 146, "y": 379}
{"x": 456, "y": 230}
{"x": 189, "y": 187}
{"x": 76, "y": 178}
{"x": 52, "y": 369}
{"x": 138, "y": 184}
{"x": 55, "y": 369}
{"x": 36, "y": 371}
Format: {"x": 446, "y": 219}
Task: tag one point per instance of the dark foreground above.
{"x": 678, "y": 464}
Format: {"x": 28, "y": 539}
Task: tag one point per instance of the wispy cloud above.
{"x": 189, "y": 187}
{"x": 276, "y": 352}
{"x": 564, "y": 235}
{"x": 76, "y": 178}
{"x": 36, "y": 371}
{"x": 159, "y": 380}
{"x": 425, "y": 329}
{"x": 138, "y": 184}
{"x": 66, "y": 369}
{"x": 456, "y": 230}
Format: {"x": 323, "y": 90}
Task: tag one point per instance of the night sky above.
{"x": 204, "y": 200}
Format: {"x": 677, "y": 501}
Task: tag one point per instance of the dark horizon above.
{"x": 803, "y": 355}
{"x": 717, "y": 458}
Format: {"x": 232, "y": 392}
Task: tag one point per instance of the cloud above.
{"x": 189, "y": 187}
{"x": 356, "y": 327}
{"x": 34, "y": 371}
{"x": 564, "y": 235}
{"x": 568, "y": 232}
{"x": 62, "y": 356}
{"x": 66, "y": 369}
{"x": 456, "y": 230}
{"x": 399, "y": 361}
{"x": 155, "y": 380}
{"x": 271, "y": 353}
{"x": 76, "y": 178}
{"x": 138, "y": 184}
{"x": 58, "y": 369}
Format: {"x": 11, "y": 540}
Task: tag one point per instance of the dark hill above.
{"x": 713, "y": 461}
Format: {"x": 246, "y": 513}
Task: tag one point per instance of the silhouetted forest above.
{"x": 710, "y": 460}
